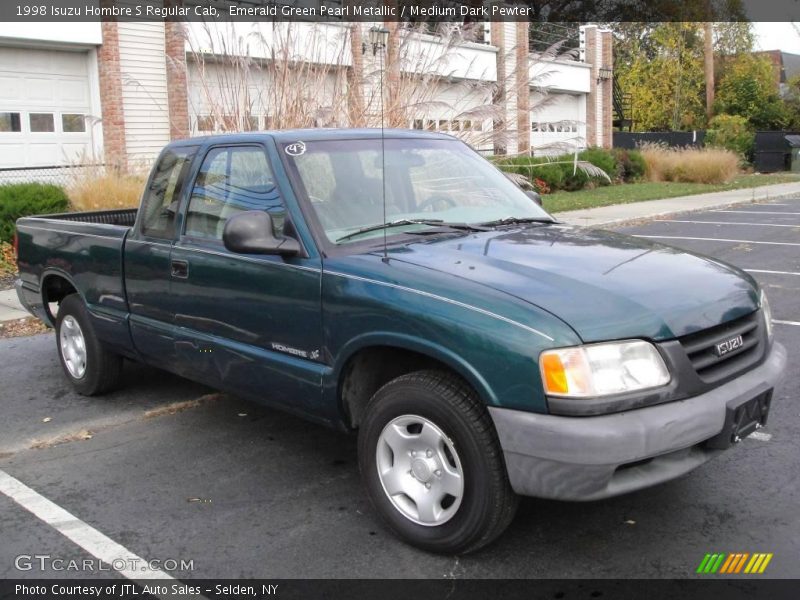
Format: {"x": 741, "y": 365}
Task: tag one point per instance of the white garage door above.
{"x": 558, "y": 122}
{"x": 44, "y": 105}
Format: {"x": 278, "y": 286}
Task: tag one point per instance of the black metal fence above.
{"x": 631, "y": 140}
{"x": 771, "y": 151}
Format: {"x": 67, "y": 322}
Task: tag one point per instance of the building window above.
{"x": 230, "y": 123}
{"x": 10, "y": 122}
{"x": 42, "y": 122}
{"x": 73, "y": 123}
{"x": 205, "y": 123}
{"x": 419, "y": 124}
{"x": 252, "y": 122}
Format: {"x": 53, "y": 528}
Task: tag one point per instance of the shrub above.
{"x": 25, "y": 199}
{"x": 603, "y": 159}
{"x": 690, "y": 165}
{"x": 574, "y": 179}
{"x": 630, "y": 165}
{"x": 98, "y": 188}
{"x": 733, "y": 133}
{"x": 559, "y": 172}
{"x": 540, "y": 185}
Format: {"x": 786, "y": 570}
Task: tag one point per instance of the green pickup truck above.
{"x": 402, "y": 287}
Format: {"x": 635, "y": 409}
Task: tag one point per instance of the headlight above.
{"x": 767, "y": 314}
{"x": 602, "y": 369}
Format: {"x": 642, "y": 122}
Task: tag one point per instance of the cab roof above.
{"x": 317, "y": 134}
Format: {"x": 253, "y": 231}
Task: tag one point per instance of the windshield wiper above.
{"x": 518, "y": 220}
{"x": 401, "y": 222}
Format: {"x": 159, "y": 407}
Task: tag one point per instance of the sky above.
{"x": 777, "y": 36}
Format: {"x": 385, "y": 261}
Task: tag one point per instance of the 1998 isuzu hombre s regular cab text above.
{"x": 481, "y": 349}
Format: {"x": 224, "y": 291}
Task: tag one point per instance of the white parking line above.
{"x": 726, "y": 223}
{"x": 757, "y": 212}
{"x": 122, "y": 560}
{"x": 795, "y": 323}
{"x": 675, "y": 237}
{"x": 771, "y": 272}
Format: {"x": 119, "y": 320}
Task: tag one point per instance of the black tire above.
{"x": 488, "y": 503}
{"x": 103, "y": 368}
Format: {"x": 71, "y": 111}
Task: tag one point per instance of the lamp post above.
{"x": 378, "y": 39}
{"x": 604, "y": 74}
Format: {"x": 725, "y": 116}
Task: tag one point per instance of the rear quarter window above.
{"x": 161, "y": 198}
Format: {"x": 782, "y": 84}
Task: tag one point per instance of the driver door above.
{"x": 250, "y": 324}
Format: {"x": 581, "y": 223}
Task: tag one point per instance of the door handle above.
{"x": 180, "y": 268}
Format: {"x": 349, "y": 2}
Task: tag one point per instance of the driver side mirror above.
{"x": 251, "y": 232}
{"x": 534, "y": 196}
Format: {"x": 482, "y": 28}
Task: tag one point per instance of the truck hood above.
{"x": 603, "y": 284}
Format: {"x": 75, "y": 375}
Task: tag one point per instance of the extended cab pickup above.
{"x": 405, "y": 288}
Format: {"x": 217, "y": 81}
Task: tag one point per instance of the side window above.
{"x": 160, "y": 201}
{"x": 230, "y": 181}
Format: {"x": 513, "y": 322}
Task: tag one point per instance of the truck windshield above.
{"x": 429, "y": 183}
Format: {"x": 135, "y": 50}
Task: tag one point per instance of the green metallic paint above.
{"x": 486, "y": 304}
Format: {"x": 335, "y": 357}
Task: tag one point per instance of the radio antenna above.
{"x": 383, "y": 169}
{"x": 379, "y": 37}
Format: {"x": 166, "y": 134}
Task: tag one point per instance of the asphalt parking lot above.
{"x": 173, "y": 471}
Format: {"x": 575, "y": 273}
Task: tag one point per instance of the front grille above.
{"x": 700, "y": 348}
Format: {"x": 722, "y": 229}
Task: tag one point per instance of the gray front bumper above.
{"x": 578, "y": 458}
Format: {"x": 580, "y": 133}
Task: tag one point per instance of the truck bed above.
{"x": 124, "y": 217}
{"x": 85, "y": 248}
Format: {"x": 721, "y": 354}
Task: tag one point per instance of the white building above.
{"x": 119, "y": 91}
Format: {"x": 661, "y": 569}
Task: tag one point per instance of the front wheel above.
{"x": 432, "y": 464}
{"x": 89, "y": 366}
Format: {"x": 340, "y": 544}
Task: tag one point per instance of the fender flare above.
{"x": 421, "y": 346}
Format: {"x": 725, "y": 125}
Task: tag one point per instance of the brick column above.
{"x": 395, "y": 115}
{"x": 497, "y": 29}
{"x": 605, "y": 135}
{"x": 355, "y": 78}
{"x": 110, "y": 80}
{"x": 591, "y": 99}
{"x": 177, "y": 79}
{"x": 523, "y": 89}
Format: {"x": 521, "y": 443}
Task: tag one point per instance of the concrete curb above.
{"x": 10, "y": 307}
{"x": 636, "y": 212}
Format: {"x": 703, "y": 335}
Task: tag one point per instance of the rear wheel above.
{"x": 89, "y": 366}
{"x": 432, "y": 464}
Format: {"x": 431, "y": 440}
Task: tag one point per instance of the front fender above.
{"x": 491, "y": 339}
{"x": 414, "y": 344}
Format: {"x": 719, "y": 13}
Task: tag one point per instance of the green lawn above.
{"x": 638, "y": 192}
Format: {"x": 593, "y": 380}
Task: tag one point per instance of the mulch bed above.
{"x": 22, "y": 327}
{"x": 6, "y": 281}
